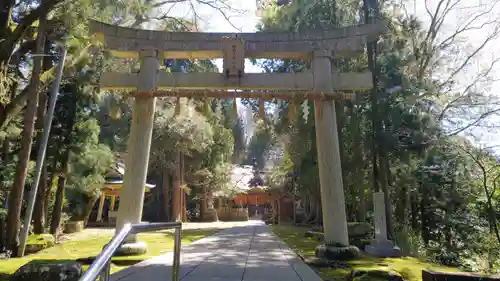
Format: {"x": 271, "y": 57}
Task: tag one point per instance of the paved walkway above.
{"x": 241, "y": 253}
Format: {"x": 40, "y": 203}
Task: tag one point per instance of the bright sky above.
{"x": 482, "y": 12}
{"x": 246, "y": 21}
{"x": 244, "y": 18}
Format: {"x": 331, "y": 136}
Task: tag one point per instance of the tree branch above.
{"x": 17, "y": 104}
{"x": 7, "y": 46}
{"x": 473, "y": 123}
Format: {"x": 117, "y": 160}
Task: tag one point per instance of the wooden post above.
{"x": 113, "y": 201}
{"x": 294, "y": 208}
{"x": 184, "y": 206}
{"x": 327, "y": 142}
{"x": 183, "y": 192}
{"x": 100, "y": 208}
{"x": 166, "y": 189}
{"x": 279, "y": 210}
{"x": 176, "y": 190}
{"x": 139, "y": 144}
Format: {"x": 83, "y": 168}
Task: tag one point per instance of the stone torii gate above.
{"x": 320, "y": 84}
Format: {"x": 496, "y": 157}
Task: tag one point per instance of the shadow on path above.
{"x": 250, "y": 253}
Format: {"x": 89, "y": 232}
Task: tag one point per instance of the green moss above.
{"x": 85, "y": 251}
{"x": 410, "y": 268}
{"x": 40, "y": 239}
{"x": 36, "y": 243}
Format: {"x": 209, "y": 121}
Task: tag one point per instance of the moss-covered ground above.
{"x": 85, "y": 251}
{"x": 410, "y": 268}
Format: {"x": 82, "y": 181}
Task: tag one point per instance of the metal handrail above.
{"x": 102, "y": 265}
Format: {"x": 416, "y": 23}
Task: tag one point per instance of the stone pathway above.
{"x": 241, "y": 253}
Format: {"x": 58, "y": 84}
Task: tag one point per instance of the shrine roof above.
{"x": 120, "y": 182}
{"x": 241, "y": 176}
{"x": 114, "y": 177}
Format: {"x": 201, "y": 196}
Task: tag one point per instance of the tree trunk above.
{"x": 210, "y": 200}
{"x": 183, "y": 206}
{"x": 166, "y": 190}
{"x": 176, "y": 190}
{"x": 358, "y": 162}
{"x": 6, "y": 150}
{"x": 183, "y": 192}
{"x": 88, "y": 208}
{"x": 38, "y": 215}
{"x": 17, "y": 192}
{"x": 401, "y": 209}
{"x": 203, "y": 203}
{"x": 414, "y": 211}
{"x": 39, "y": 221}
{"x": 424, "y": 220}
{"x": 64, "y": 158}
{"x": 51, "y": 184}
{"x": 492, "y": 218}
{"x": 339, "y": 105}
{"x": 318, "y": 219}
{"x": 61, "y": 184}
{"x": 2, "y": 233}
{"x": 407, "y": 208}
{"x": 5, "y": 158}
{"x": 311, "y": 211}
{"x": 46, "y": 199}
{"x": 58, "y": 205}
{"x": 278, "y": 203}
{"x": 315, "y": 211}
{"x": 384, "y": 171}
{"x": 305, "y": 203}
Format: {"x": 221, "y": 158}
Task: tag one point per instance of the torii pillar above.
{"x": 138, "y": 148}
{"x": 327, "y": 142}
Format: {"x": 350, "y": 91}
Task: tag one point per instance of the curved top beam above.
{"x": 127, "y": 42}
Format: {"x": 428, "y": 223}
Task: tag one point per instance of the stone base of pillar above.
{"x": 132, "y": 249}
{"x": 383, "y": 249}
{"x": 330, "y": 252}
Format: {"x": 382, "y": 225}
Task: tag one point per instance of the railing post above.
{"x": 177, "y": 254}
{"x": 105, "y": 272}
{"x": 101, "y": 267}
